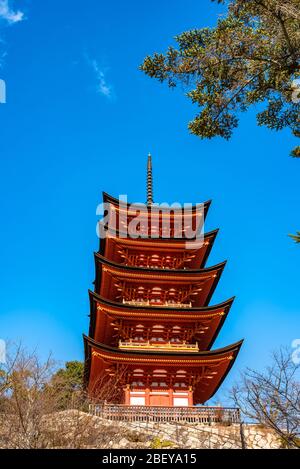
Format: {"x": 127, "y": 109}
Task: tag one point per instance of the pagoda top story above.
{"x": 151, "y": 322}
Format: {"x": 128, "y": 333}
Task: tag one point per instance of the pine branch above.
{"x": 296, "y": 237}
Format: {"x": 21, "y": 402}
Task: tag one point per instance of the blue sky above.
{"x": 80, "y": 118}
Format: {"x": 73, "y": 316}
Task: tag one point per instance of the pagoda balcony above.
{"x": 167, "y": 304}
{"x": 167, "y": 346}
{"x": 192, "y": 414}
{"x": 153, "y": 266}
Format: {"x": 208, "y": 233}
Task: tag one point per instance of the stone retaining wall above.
{"x": 79, "y": 429}
{"x": 201, "y": 436}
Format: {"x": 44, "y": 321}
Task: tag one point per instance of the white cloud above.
{"x": 103, "y": 87}
{"x": 9, "y": 15}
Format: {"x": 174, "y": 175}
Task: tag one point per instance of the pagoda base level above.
{"x": 191, "y": 414}
{"x": 167, "y": 398}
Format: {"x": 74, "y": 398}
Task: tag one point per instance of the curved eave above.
{"x": 167, "y": 272}
{"x": 163, "y": 357}
{"x": 120, "y": 306}
{"x": 116, "y": 202}
{"x": 209, "y": 236}
{"x": 239, "y": 344}
{"x": 157, "y": 311}
{"x": 190, "y": 357}
{"x": 196, "y": 273}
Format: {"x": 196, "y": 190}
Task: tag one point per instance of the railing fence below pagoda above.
{"x": 132, "y": 413}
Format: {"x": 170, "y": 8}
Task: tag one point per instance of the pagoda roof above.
{"x": 202, "y": 246}
{"x": 218, "y": 313}
{"x": 181, "y": 276}
{"x": 140, "y": 355}
{"x": 119, "y": 203}
{"x": 217, "y": 362}
{"x": 122, "y": 235}
{"x": 95, "y": 297}
{"x": 173, "y": 272}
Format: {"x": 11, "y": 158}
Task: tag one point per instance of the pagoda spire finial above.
{"x": 149, "y": 181}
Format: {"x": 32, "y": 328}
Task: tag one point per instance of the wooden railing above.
{"x": 168, "y": 304}
{"x": 159, "y": 346}
{"x": 195, "y": 414}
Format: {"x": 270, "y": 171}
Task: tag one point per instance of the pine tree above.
{"x": 251, "y": 56}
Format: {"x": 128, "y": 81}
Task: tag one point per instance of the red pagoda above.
{"x": 151, "y": 324}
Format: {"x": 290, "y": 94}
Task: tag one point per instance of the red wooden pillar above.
{"x": 147, "y": 396}
{"x": 171, "y": 397}
{"x": 127, "y": 395}
{"x": 190, "y": 396}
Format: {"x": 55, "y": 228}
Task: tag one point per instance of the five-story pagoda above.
{"x": 151, "y": 325}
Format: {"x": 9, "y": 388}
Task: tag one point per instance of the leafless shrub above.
{"x": 31, "y": 400}
{"x": 272, "y": 398}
